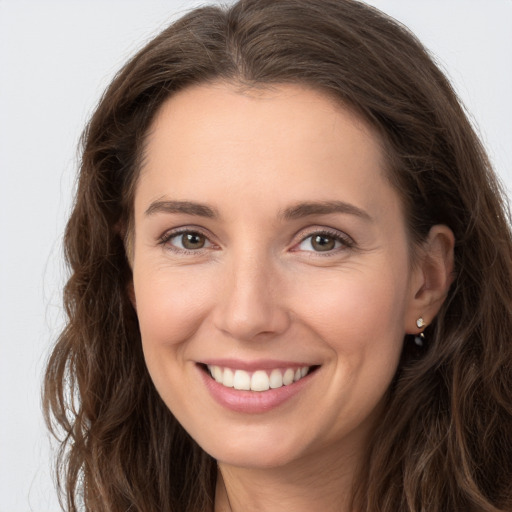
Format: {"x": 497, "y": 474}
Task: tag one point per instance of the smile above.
{"x": 259, "y": 380}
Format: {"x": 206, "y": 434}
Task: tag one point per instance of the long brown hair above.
{"x": 445, "y": 440}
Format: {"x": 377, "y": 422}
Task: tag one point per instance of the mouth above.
{"x": 259, "y": 380}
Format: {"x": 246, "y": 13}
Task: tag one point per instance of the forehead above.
{"x": 288, "y": 143}
{"x": 205, "y": 107}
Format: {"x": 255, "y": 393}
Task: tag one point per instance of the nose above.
{"x": 251, "y": 303}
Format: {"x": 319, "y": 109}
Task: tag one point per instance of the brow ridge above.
{"x": 307, "y": 208}
{"x": 293, "y": 212}
{"x": 186, "y": 207}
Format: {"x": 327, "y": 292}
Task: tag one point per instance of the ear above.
{"x": 431, "y": 277}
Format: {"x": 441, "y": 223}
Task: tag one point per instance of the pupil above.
{"x": 192, "y": 241}
{"x": 323, "y": 243}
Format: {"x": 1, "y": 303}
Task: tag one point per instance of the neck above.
{"x": 325, "y": 483}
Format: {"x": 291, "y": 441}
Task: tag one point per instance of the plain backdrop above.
{"x": 56, "y": 57}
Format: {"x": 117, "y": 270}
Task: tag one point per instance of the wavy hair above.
{"x": 445, "y": 440}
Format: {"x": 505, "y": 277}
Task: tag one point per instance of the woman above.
{"x": 291, "y": 270}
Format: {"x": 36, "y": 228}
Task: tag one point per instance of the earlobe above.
{"x": 433, "y": 277}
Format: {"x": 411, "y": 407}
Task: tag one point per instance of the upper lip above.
{"x": 250, "y": 366}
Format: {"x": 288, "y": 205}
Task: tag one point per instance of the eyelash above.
{"x": 344, "y": 240}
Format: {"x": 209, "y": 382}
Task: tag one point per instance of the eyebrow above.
{"x": 306, "y": 209}
{"x": 297, "y": 211}
{"x": 186, "y": 207}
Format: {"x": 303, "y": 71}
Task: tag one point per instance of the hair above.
{"x": 444, "y": 442}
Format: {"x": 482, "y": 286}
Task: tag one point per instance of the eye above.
{"x": 186, "y": 241}
{"x": 324, "y": 242}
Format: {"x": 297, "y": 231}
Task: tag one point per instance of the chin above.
{"x": 258, "y": 451}
{"x": 255, "y": 459}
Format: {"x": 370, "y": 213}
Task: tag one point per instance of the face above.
{"x": 271, "y": 272}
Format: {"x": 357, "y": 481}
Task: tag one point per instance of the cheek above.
{"x": 355, "y": 309}
{"x": 170, "y": 306}
{"x": 361, "y": 321}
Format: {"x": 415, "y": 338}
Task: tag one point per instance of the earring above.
{"x": 419, "y": 339}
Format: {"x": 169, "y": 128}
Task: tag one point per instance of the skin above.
{"x": 259, "y": 289}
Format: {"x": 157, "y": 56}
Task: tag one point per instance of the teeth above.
{"x": 276, "y": 379}
{"x": 259, "y": 380}
{"x": 229, "y": 378}
{"x": 217, "y": 374}
{"x": 288, "y": 377}
{"x": 242, "y": 380}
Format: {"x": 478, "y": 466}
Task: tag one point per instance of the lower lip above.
{"x": 252, "y": 402}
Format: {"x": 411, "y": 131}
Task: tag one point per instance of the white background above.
{"x": 55, "y": 59}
